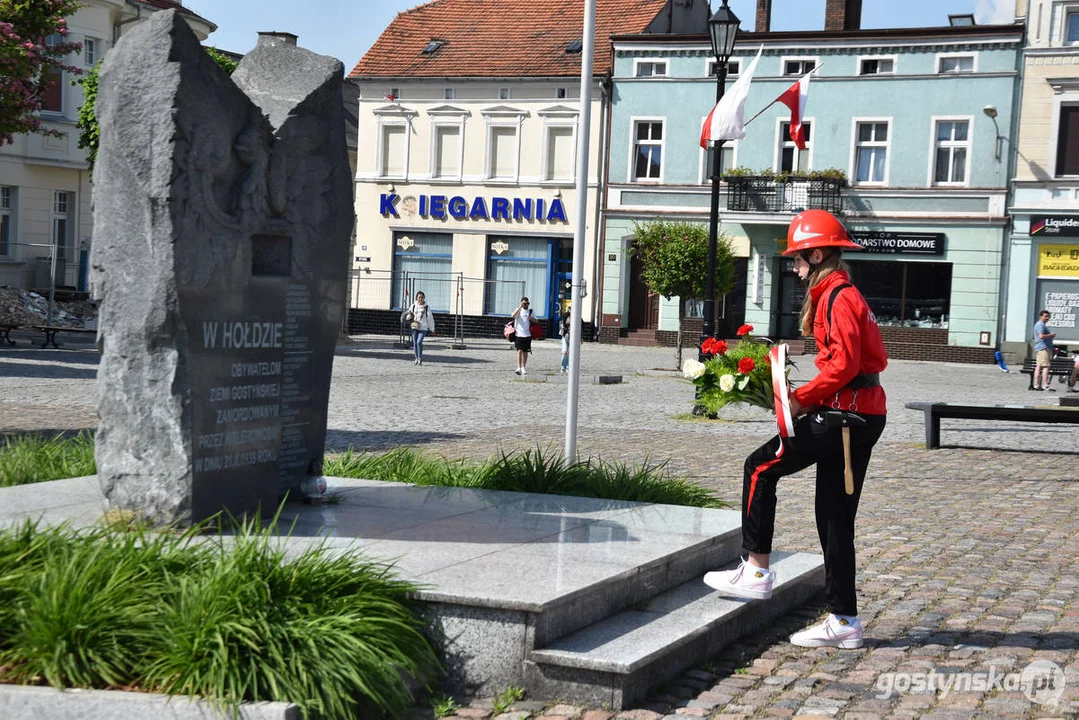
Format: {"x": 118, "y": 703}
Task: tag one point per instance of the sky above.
{"x": 346, "y": 29}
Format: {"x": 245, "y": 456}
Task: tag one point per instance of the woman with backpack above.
{"x": 842, "y": 414}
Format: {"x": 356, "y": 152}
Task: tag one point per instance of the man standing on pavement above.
{"x": 1043, "y": 351}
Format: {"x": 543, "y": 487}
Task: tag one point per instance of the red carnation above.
{"x": 744, "y": 330}
{"x": 746, "y": 365}
{"x": 711, "y": 346}
{"x": 720, "y": 347}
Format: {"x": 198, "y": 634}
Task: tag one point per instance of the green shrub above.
{"x": 32, "y": 458}
{"x": 232, "y": 621}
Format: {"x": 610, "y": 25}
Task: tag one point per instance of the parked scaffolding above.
{"x": 379, "y": 298}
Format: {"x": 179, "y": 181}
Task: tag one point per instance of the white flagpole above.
{"x": 576, "y": 293}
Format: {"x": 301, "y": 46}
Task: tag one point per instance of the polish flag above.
{"x": 727, "y": 119}
{"x": 795, "y": 98}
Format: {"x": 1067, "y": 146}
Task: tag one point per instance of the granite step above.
{"x": 616, "y": 661}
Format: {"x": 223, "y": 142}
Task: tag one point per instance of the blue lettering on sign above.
{"x": 540, "y": 207}
{"x": 522, "y": 208}
{"x": 438, "y": 206}
{"x": 500, "y": 207}
{"x": 479, "y": 209}
{"x": 558, "y": 212}
{"x": 386, "y": 204}
{"x": 423, "y": 206}
{"x": 458, "y": 207}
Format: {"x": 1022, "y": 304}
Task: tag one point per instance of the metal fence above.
{"x": 468, "y": 301}
{"x": 764, "y": 194}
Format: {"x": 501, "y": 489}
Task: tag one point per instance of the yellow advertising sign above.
{"x": 1061, "y": 261}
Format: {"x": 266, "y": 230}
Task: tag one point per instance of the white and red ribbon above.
{"x": 777, "y": 355}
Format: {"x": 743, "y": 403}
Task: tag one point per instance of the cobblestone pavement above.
{"x": 968, "y": 555}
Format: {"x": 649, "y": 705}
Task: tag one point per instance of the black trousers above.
{"x": 835, "y": 510}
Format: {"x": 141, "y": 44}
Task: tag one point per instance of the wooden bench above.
{"x": 50, "y": 333}
{"x": 1059, "y": 367}
{"x": 5, "y": 332}
{"x": 1015, "y": 413}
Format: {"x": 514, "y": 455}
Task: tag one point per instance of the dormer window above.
{"x": 574, "y": 46}
{"x": 433, "y": 46}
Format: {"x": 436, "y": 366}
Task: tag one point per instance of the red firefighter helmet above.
{"x": 817, "y": 229}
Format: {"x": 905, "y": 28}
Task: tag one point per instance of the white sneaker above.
{"x": 747, "y": 581}
{"x": 523, "y": 371}
{"x": 833, "y": 632}
{"x": 517, "y": 371}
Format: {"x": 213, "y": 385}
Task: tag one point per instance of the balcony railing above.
{"x": 755, "y": 193}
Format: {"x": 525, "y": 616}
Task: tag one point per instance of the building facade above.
{"x": 44, "y": 180}
{"x": 900, "y": 144}
{"x": 1042, "y": 264}
{"x": 467, "y": 157}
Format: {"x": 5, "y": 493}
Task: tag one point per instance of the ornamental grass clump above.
{"x": 739, "y": 374}
{"x": 32, "y": 458}
{"x": 232, "y": 620}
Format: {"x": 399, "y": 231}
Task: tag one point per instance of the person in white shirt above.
{"x": 422, "y": 324}
{"x": 522, "y": 328}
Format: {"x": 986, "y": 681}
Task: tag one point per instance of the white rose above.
{"x": 726, "y": 383}
{"x": 692, "y": 369}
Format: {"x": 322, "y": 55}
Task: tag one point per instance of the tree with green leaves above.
{"x": 89, "y": 132}
{"x": 33, "y": 44}
{"x": 674, "y": 263}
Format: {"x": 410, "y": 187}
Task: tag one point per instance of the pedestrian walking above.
{"x": 422, "y": 324}
{"x": 564, "y": 328}
{"x": 523, "y": 318}
{"x": 1043, "y": 351}
{"x": 840, "y": 415}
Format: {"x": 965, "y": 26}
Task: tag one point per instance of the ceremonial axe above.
{"x": 832, "y": 419}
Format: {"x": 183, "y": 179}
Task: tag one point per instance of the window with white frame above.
{"x": 647, "y": 150}
{"x": 1071, "y": 27}
{"x": 504, "y": 93}
{"x": 560, "y": 93}
{"x": 871, "y": 152}
{"x": 953, "y": 64}
{"x": 502, "y": 152}
{"x": 733, "y": 68}
{"x": 791, "y": 157}
{"x": 726, "y": 160}
{"x": 447, "y": 148}
{"x": 650, "y": 69}
{"x": 559, "y": 157}
{"x": 876, "y": 66}
{"x": 951, "y": 152}
{"x": 89, "y": 51}
{"x": 393, "y": 150}
{"x": 450, "y": 94}
{"x": 1068, "y": 141}
{"x": 61, "y": 228}
{"x": 7, "y": 220}
{"x": 798, "y": 66}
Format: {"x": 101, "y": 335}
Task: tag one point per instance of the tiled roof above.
{"x": 500, "y": 38}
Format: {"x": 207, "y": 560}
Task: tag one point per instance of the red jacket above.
{"x": 851, "y": 346}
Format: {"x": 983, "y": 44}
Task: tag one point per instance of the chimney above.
{"x": 764, "y": 16}
{"x": 843, "y": 15}
{"x": 273, "y": 38}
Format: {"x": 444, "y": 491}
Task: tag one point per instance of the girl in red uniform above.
{"x": 850, "y": 357}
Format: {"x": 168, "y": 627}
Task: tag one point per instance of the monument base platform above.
{"x": 591, "y": 601}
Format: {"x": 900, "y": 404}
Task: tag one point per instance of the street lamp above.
{"x": 723, "y": 29}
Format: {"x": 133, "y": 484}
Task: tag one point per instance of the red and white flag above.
{"x": 727, "y": 119}
{"x": 777, "y": 357}
{"x": 795, "y": 98}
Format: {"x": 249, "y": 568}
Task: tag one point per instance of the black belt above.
{"x": 864, "y": 381}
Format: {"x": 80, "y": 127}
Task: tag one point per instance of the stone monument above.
{"x": 222, "y": 222}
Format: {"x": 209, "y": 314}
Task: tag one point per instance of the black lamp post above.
{"x": 723, "y": 29}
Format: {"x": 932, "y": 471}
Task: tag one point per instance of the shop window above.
{"x": 502, "y": 157}
{"x": 518, "y": 268}
{"x": 447, "y": 151}
{"x": 906, "y": 294}
{"x": 871, "y": 153}
{"x": 951, "y": 152}
{"x": 560, "y": 152}
{"x": 726, "y": 160}
{"x": 648, "y": 150}
{"x": 7, "y": 220}
{"x": 1068, "y": 141}
{"x": 791, "y": 158}
{"x": 421, "y": 263}
{"x": 650, "y": 69}
{"x": 393, "y": 150}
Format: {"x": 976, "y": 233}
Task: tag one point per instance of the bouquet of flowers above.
{"x": 739, "y": 374}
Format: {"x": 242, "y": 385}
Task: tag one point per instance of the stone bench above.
{"x": 1015, "y": 413}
